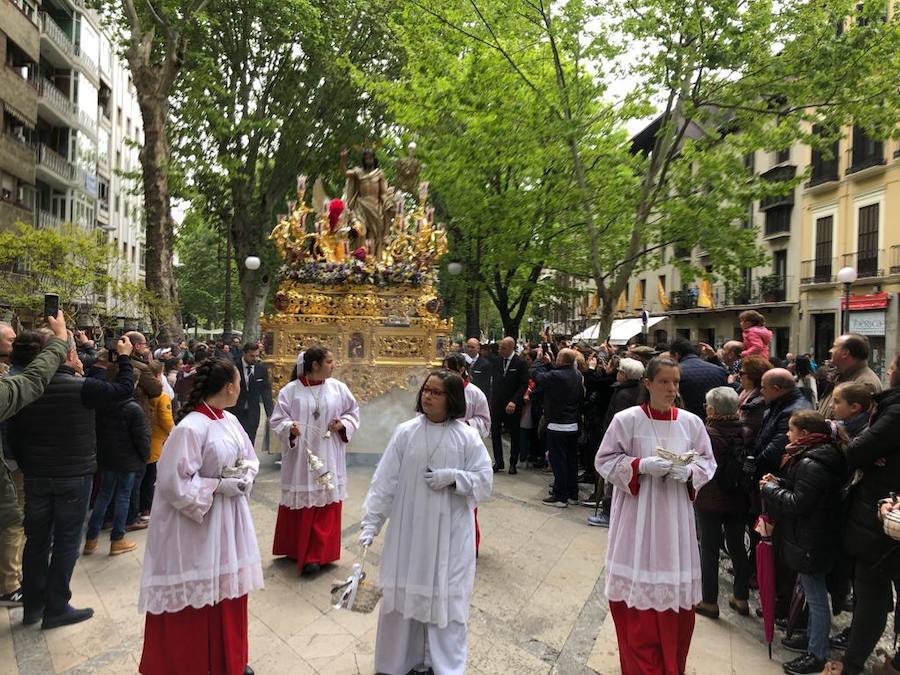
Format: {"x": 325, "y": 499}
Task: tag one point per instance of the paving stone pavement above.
{"x": 538, "y": 605}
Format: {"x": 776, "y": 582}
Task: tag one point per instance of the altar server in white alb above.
{"x": 652, "y": 561}
{"x": 478, "y": 411}
{"x": 433, "y": 473}
{"x": 202, "y": 558}
{"x": 314, "y": 412}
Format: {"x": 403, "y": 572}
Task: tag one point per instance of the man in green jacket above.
{"x": 16, "y": 392}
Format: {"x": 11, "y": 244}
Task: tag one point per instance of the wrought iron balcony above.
{"x": 818, "y": 271}
{"x": 867, "y": 263}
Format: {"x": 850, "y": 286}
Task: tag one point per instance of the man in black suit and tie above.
{"x": 510, "y": 382}
{"x": 255, "y": 387}
{"x": 480, "y": 367}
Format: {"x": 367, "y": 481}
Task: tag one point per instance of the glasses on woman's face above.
{"x": 433, "y": 392}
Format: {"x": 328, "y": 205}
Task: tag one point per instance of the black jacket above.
{"x": 123, "y": 437}
{"x": 806, "y": 505}
{"x": 563, "y": 394}
{"x": 697, "y": 378}
{"x": 257, "y": 390}
{"x": 863, "y": 532}
{"x": 481, "y": 374}
{"x": 752, "y": 412}
{"x": 772, "y": 437}
{"x": 510, "y": 386}
{"x": 726, "y": 435}
{"x": 624, "y": 395}
{"x": 55, "y": 437}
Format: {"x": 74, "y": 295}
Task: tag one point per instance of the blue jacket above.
{"x": 697, "y": 378}
{"x": 772, "y": 437}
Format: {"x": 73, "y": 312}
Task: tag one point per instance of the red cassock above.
{"x": 652, "y": 642}
{"x": 212, "y": 639}
{"x": 310, "y": 535}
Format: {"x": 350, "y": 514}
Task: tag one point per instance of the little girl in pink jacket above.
{"x": 756, "y": 336}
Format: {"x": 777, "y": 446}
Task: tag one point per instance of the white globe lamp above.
{"x": 252, "y": 263}
{"x": 454, "y": 268}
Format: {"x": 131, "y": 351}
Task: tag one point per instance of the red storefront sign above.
{"x": 870, "y": 301}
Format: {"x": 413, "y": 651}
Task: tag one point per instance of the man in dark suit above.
{"x": 510, "y": 382}
{"x": 255, "y": 387}
{"x": 697, "y": 376}
{"x": 480, "y": 367}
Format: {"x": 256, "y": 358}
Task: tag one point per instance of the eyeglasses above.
{"x": 433, "y": 392}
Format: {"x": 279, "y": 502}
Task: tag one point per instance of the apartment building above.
{"x": 70, "y": 123}
{"x": 850, "y": 209}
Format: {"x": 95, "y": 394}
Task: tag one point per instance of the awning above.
{"x": 622, "y": 330}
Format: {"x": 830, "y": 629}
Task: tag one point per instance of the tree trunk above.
{"x": 473, "y": 312}
{"x": 254, "y": 291}
{"x": 160, "y": 277}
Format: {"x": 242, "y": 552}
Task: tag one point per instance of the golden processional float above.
{"x": 365, "y": 291}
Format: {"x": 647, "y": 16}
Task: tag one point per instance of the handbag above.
{"x": 891, "y": 520}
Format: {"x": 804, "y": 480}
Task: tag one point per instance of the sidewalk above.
{"x": 537, "y": 606}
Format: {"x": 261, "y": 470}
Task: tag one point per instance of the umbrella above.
{"x": 765, "y": 577}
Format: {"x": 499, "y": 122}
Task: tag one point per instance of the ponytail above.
{"x": 209, "y": 378}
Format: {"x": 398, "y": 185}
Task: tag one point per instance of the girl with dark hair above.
{"x": 432, "y": 474}
{"x": 657, "y": 457}
{"x": 315, "y": 417}
{"x": 202, "y": 558}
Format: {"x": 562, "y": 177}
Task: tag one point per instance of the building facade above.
{"x": 70, "y": 130}
{"x": 850, "y": 219}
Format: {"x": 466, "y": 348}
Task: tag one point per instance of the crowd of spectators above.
{"x": 809, "y": 444}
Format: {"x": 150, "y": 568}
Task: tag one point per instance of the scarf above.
{"x": 791, "y": 450}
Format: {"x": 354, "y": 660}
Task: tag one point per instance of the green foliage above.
{"x": 200, "y": 271}
{"x": 77, "y": 265}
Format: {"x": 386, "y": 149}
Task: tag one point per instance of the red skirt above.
{"x": 652, "y": 642}
{"x": 310, "y": 535}
{"x": 211, "y": 640}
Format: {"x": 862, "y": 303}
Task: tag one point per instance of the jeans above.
{"x": 711, "y": 525}
{"x": 872, "y": 588}
{"x": 55, "y": 509}
{"x": 116, "y": 487}
{"x": 819, "y": 626}
{"x": 563, "y": 449}
{"x": 134, "y": 505}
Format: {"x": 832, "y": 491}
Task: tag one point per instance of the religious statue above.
{"x": 407, "y": 169}
{"x": 369, "y": 201}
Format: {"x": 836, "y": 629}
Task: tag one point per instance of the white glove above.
{"x": 233, "y": 487}
{"x": 681, "y": 473}
{"x": 367, "y": 536}
{"x": 438, "y": 479}
{"x": 654, "y": 466}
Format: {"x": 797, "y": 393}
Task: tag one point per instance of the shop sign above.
{"x": 867, "y": 323}
{"x": 869, "y": 301}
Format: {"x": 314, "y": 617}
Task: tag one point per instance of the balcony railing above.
{"x": 47, "y": 220}
{"x": 56, "y": 163}
{"x": 54, "y": 98}
{"x": 760, "y": 291}
{"x": 867, "y": 263}
{"x": 87, "y": 123}
{"x": 895, "y": 259}
{"x": 57, "y": 35}
{"x": 818, "y": 271}
{"x": 87, "y": 63}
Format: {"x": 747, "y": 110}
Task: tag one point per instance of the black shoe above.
{"x": 248, "y": 670}
{"x": 311, "y": 568}
{"x": 803, "y": 665}
{"x": 553, "y": 501}
{"x": 498, "y": 468}
{"x": 13, "y": 599}
{"x": 513, "y": 470}
{"x": 67, "y": 618}
{"x": 798, "y": 643}
{"x": 840, "y": 641}
{"x": 32, "y": 616}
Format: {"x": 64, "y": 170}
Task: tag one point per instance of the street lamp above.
{"x": 454, "y": 268}
{"x": 252, "y": 263}
{"x": 846, "y": 276}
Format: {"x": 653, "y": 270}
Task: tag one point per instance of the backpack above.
{"x": 730, "y": 474}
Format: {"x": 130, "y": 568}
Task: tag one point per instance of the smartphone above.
{"x": 51, "y": 304}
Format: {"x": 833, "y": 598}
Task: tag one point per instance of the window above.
{"x": 867, "y": 242}
{"x": 866, "y": 151}
{"x": 133, "y": 254}
{"x": 778, "y": 219}
{"x": 779, "y": 263}
{"x": 824, "y": 161}
{"x": 782, "y": 156}
{"x": 824, "y": 239}
{"x": 644, "y": 290}
{"x": 118, "y": 160}
{"x": 118, "y": 203}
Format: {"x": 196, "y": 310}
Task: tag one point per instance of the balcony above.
{"x": 895, "y": 259}
{"x": 88, "y": 65}
{"x": 763, "y": 290}
{"x": 63, "y": 50}
{"x": 865, "y": 153}
{"x": 683, "y": 299}
{"x": 867, "y": 263}
{"x": 19, "y": 94}
{"x": 17, "y": 157}
{"x": 57, "y": 166}
{"x": 47, "y": 220}
{"x": 818, "y": 271}
{"x": 823, "y": 171}
{"x": 61, "y": 109}
{"x": 88, "y": 125}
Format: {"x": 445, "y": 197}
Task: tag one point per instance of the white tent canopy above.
{"x": 622, "y": 330}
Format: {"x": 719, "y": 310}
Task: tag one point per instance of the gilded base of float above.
{"x": 381, "y": 337}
